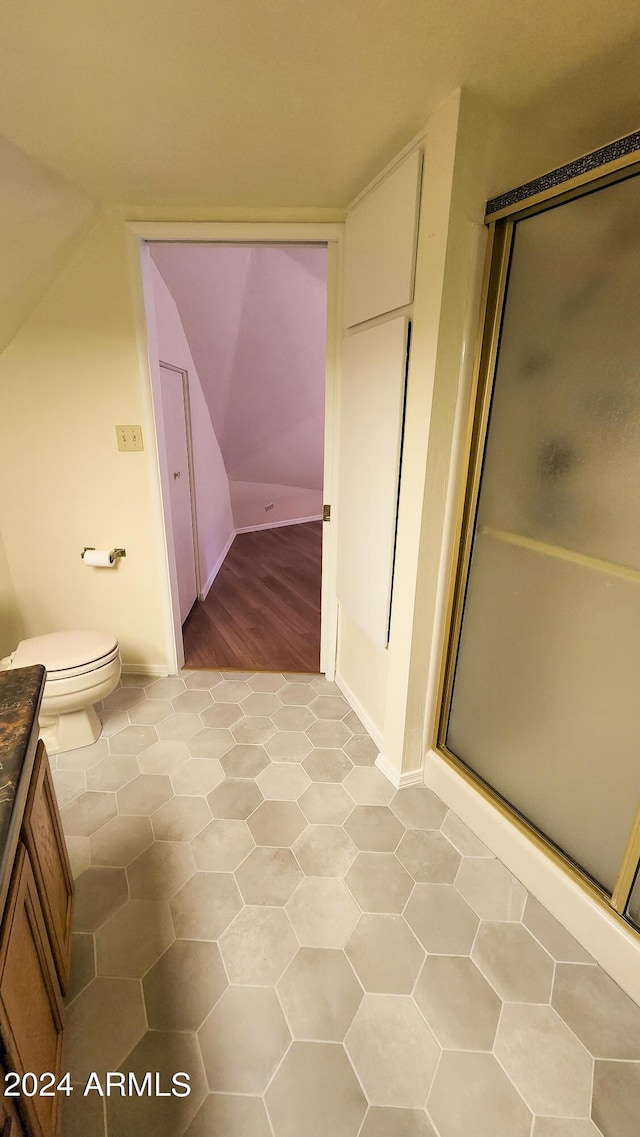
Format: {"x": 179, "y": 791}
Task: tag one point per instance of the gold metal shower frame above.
{"x": 526, "y": 202}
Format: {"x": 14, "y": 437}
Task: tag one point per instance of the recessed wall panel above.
{"x": 380, "y": 245}
{"x": 371, "y": 408}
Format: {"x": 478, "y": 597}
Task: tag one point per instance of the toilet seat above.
{"x": 83, "y": 668}
{"x": 67, "y": 655}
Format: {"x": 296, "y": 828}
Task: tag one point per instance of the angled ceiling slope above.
{"x": 255, "y": 322}
{"x": 41, "y": 218}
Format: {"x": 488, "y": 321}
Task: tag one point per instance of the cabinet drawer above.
{"x": 30, "y": 996}
{"x": 43, "y": 837}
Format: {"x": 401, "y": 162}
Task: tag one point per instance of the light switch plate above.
{"x": 129, "y": 437}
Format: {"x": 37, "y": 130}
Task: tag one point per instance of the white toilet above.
{"x": 82, "y": 668}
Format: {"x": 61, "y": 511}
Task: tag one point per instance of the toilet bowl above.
{"x": 82, "y": 668}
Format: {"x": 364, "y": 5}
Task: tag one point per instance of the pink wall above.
{"x": 255, "y": 323}
{"x": 207, "y": 283}
{"x": 213, "y": 502}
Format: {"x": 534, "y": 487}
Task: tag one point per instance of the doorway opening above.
{"x": 238, "y": 349}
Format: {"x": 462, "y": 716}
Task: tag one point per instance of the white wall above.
{"x": 213, "y": 502}
{"x": 290, "y": 503}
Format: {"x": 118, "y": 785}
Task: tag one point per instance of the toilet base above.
{"x": 70, "y": 731}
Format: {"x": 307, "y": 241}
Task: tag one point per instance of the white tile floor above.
{"x": 323, "y": 956}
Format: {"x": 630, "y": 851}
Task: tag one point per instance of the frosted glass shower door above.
{"x": 545, "y": 704}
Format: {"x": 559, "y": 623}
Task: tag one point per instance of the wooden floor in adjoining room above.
{"x": 263, "y": 610}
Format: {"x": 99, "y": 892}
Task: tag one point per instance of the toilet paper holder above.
{"x": 113, "y": 555}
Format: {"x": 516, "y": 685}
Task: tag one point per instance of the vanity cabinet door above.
{"x": 30, "y": 997}
{"x": 42, "y": 834}
{"x": 9, "y": 1122}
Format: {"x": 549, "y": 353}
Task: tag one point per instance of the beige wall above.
{"x": 42, "y": 219}
{"x": 363, "y": 669}
{"x": 11, "y": 629}
{"x": 69, "y": 375}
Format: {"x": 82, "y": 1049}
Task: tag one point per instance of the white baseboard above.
{"x": 365, "y": 718}
{"x": 158, "y": 669}
{"x": 218, "y": 565}
{"x": 412, "y": 778}
{"x": 601, "y": 934}
{"x": 278, "y": 524}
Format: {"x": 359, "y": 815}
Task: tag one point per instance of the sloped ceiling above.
{"x": 41, "y": 217}
{"x": 287, "y": 102}
{"x": 272, "y": 105}
{"x": 274, "y": 428}
{"x": 208, "y": 284}
{"x": 255, "y": 322}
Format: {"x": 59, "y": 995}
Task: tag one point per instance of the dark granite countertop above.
{"x": 20, "y": 695}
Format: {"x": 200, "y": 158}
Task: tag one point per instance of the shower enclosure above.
{"x": 541, "y": 684}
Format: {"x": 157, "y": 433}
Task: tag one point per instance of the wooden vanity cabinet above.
{"x": 42, "y": 836}
{"x": 10, "y": 1122}
{"x": 30, "y": 996}
{"x": 36, "y": 907}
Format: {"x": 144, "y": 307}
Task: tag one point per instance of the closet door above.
{"x": 374, "y": 365}
{"x": 380, "y": 250}
{"x": 380, "y": 244}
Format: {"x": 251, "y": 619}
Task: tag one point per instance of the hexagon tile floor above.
{"x": 323, "y": 956}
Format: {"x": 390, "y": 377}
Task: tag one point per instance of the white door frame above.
{"x": 139, "y": 235}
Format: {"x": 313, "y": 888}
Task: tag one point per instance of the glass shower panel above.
{"x": 546, "y": 702}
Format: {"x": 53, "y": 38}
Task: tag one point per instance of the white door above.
{"x": 380, "y": 248}
{"x": 177, "y": 451}
{"x": 374, "y": 364}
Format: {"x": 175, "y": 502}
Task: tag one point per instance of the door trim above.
{"x": 139, "y": 235}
